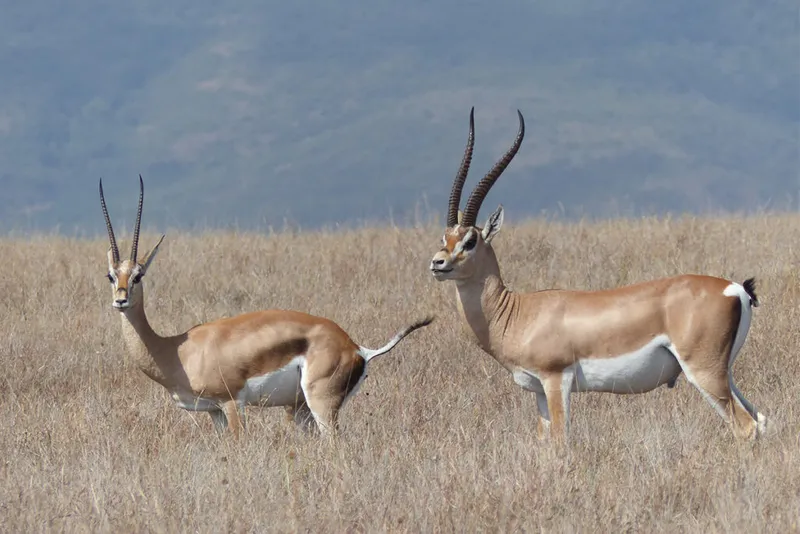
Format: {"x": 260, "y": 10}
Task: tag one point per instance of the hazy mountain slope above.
{"x": 252, "y": 112}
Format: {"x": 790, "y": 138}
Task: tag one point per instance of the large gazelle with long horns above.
{"x": 306, "y": 363}
{"x": 629, "y": 339}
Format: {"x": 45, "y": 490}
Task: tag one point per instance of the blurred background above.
{"x": 249, "y": 114}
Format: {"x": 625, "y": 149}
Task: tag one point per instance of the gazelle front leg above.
{"x": 543, "y": 424}
{"x": 530, "y": 381}
{"x": 557, "y": 388}
{"x": 234, "y": 416}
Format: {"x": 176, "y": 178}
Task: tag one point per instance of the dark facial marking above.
{"x": 473, "y": 240}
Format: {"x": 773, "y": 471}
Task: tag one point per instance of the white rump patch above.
{"x": 736, "y": 290}
{"x": 278, "y": 388}
{"x": 635, "y": 372}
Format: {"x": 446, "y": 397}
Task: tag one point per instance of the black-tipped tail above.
{"x": 750, "y": 287}
{"x": 368, "y": 354}
{"x": 419, "y": 324}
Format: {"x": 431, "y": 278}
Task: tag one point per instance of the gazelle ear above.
{"x": 110, "y": 255}
{"x": 150, "y": 255}
{"x": 460, "y": 216}
{"x": 493, "y": 225}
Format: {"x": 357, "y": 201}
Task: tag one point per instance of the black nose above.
{"x": 438, "y": 263}
{"x": 121, "y": 301}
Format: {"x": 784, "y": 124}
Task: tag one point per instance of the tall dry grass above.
{"x": 438, "y": 440}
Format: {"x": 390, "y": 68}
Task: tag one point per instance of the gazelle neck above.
{"x": 155, "y": 356}
{"x": 486, "y": 304}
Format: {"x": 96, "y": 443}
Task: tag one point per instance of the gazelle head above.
{"x": 126, "y": 275}
{"x": 465, "y": 247}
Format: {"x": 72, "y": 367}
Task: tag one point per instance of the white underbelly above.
{"x": 195, "y": 404}
{"x": 278, "y": 388}
{"x": 634, "y": 372}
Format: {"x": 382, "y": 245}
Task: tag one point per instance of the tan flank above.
{"x": 630, "y": 339}
{"x": 267, "y": 358}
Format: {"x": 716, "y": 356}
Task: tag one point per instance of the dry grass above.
{"x": 438, "y": 440}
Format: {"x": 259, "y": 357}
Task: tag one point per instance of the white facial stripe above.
{"x": 460, "y": 245}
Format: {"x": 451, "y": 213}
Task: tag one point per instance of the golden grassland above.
{"x": 439, "y": 439}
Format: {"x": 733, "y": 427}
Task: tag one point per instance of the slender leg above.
{"x": 302, "y": 417}
{"x": 219, "y": 420}
{"x": 326, "y": 413}
{"x": 235, "y": 419}
{"x": 715, "y": 386}
{"x": 323, "y": 404}
{"x": 555, "y": 405}
{"x": 543, "y": 425}
{"x": 761, "y": 420}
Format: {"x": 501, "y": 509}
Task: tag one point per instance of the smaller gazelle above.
{"x": 268, "y": 358}
{"x": 625, "y": 340}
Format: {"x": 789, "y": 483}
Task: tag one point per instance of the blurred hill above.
{"x": 254, "y": 113}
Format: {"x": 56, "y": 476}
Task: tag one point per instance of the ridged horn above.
{"x": 135, "y": 245}
{"x": 111, "y": 238}
{"x": 479, "y": 193}
{"x": 461, "y": 176}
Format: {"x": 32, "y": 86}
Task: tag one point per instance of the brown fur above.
{"x": 213, "y": 361}
{"x": 545, "y": 332}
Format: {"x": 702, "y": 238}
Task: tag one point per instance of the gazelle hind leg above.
{"x": 326, "y": 414}
{"x": 324, "y": 406}
{"x": 302, "y": 417}
{"x": 715, "y": 388}
{"x": 738, "y": 343}
{"x": 758, "y": 417}
{"x": 219, "y": 420}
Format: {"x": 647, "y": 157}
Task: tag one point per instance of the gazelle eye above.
{"x": 110, "y": 278}
{"x": 136, "y": 279}
{"x": 470, "y": 244}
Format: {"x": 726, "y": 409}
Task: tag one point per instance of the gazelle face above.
{"x": 459, "y": 247}
{"x": 126, "y": 275}
{"x": 464, "y": 249}
{"x": 124, "y": 278}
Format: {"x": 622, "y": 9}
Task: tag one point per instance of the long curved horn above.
{"x": 461, "y": 176}
{"x": 479, "y": 193}
{"x": 135, "y": 245}
{"x": 111, "y": 238}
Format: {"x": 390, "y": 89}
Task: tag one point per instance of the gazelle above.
{"x": 269, "y": 358}
{"x": 625, "y": 340}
